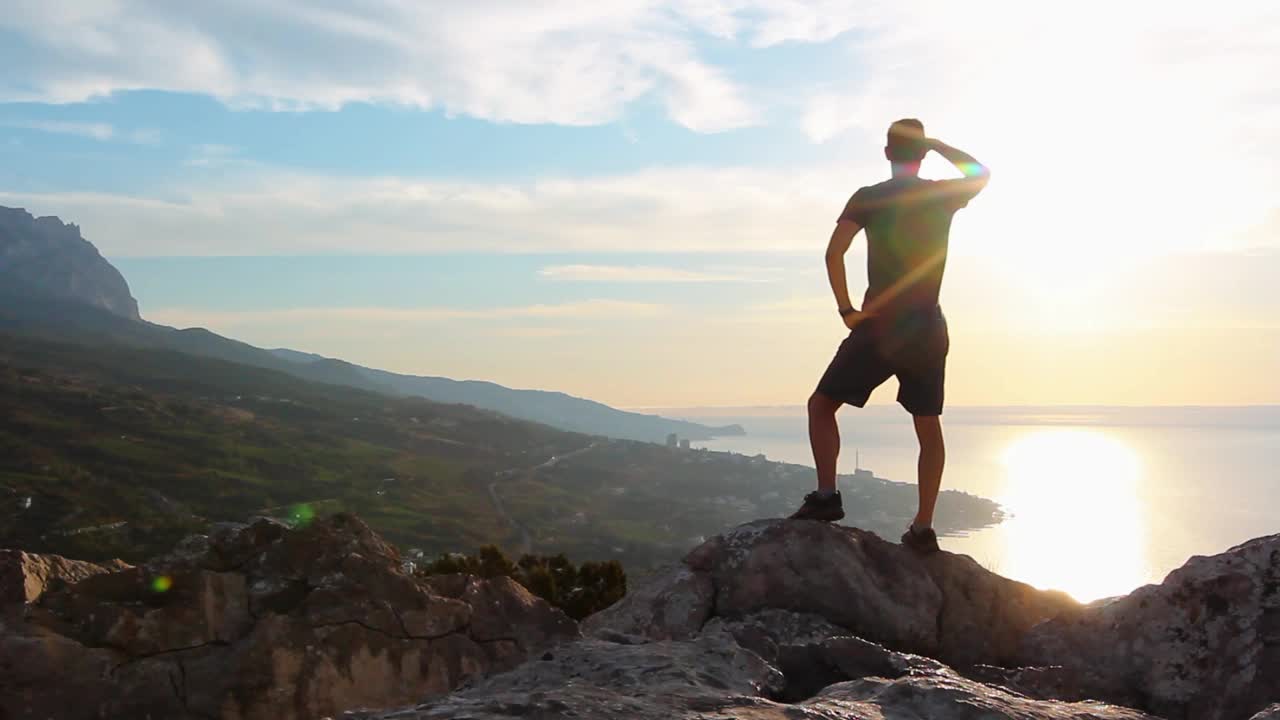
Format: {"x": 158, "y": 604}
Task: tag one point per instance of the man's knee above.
{"x": 929, "y": 430}
{"x": 821, "y": 405}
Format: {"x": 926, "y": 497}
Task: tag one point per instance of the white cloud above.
{"x": 647, "y": 274}
{"x": 1111, "y": 129}
{"x": 95, "y": 131}
{"x": 1108, "y": 123}
{"x": 557, "y": 61}
{"x": 246, "y": 209}
{"x": 213, "y": 155}
{"x": 403, "y": 317}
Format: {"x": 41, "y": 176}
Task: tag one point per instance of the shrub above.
{"x": 577, "y": 590}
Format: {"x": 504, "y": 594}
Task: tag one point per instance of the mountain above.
{"x": 55, "y": 285}
{"x": 45, "y": 256}
{"x": 552, "y": 408}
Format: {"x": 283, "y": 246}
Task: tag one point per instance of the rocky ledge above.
{"x": 796, "y": 619}
{"x": 773, "y": 620}
{"x": 256, "y": 621}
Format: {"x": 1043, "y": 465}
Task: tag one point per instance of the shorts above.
{"x": 912, "y": 346}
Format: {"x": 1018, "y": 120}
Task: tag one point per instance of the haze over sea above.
{"x": 1100, "y": 500}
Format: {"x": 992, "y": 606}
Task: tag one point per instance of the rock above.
{"x": 502, "y": 610}
{"x": 45, "y": 256}
{"x": 944, "y": 694}
{"x": 1204, "y": 644}
{"x": 769, "y": 631}
{"x": 599, "y": 680}
{"x": 673, "y": 605}
{"x": 262, "y": 621}
{"x": 24, "y": 576}
{"x": 712, "y": 677}
{"x": 775, "y": 620}
{"x": 945, "y": 606}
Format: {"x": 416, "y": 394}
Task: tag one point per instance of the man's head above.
{"x": 906, "y": 146}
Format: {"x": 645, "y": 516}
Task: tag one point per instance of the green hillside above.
{"x": 119, "y": 451}
{"x": 166, "y": 443}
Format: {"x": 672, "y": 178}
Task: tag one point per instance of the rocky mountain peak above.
{"x": 43, "y": 255}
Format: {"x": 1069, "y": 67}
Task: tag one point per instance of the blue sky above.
{"x": 625, "y": 199}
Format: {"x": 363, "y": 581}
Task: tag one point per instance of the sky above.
{"x": 629, "y": 199}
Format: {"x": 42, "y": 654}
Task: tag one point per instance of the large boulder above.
{"x": 263, "y": 621}
{"x": 945, "y": 606}
{"x": 1204, "y": 644}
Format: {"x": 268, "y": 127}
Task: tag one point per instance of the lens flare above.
{"x": 301, "y": 515}
{"x": 161, "y": 583}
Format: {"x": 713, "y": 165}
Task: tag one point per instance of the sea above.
{"x": 1098, "y": 500}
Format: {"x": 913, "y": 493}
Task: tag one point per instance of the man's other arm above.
{"x": 841, "y": 241}
{"x": 960, "y": 192}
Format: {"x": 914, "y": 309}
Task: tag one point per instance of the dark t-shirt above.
{"x": 907, "y": 220}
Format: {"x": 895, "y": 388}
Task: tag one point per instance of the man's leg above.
{"x": 933, "y": 455}
{"x": 823, "y": 504}
{"x": 824, "y": 438}
{"x": 854, "y": 372}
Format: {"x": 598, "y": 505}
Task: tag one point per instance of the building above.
{"x": 672, "y": 440}
{"x": 858, "y": 471}
{"x": 684, "y": 443}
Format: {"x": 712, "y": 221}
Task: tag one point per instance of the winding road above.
{"x": 526, "y": 539}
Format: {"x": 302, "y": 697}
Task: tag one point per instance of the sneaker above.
{"x": 922, "y": 541}
{"x": 827, "y": 508}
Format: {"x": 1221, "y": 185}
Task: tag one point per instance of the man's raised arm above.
{"x": 959, "y": 192}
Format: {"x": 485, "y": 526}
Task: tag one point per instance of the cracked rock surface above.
{"x": 261, "y": 621}
{"x": 944, "y": 606}
{"x": 774, "y": 620}
{"x": 1202, "y": 645}
{"x": 713, "y": 677}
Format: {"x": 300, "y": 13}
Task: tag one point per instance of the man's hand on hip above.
{"x": 852, "y": 317}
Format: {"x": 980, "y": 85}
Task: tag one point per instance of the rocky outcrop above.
{"x": 945, "y": 606}
{"x": 1202, "y": 645}
{"x": 44, "y": 255}
{"x": 262, "y": 621}
{"x": 24, "y": 576}
{"x": 774, "y": 620}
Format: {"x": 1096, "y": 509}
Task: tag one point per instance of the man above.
{"x": 900, "y": 329}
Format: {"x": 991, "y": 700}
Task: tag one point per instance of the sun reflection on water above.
{"x": 1077, "y": 522}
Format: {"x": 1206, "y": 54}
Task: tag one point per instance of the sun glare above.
{"x": 1077, "y": 521}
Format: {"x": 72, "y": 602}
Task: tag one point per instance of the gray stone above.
{"x": 259, "y": 621}
{"x": 713, "y": 678}
{"x": 945, "y": 606}
{"x": 1202, "y": 645}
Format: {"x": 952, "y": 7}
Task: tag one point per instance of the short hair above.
{"x": 906, "y": 141}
